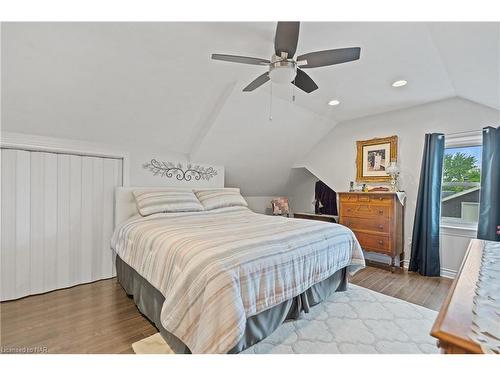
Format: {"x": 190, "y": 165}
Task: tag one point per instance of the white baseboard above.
{"x": 445, "y": 272}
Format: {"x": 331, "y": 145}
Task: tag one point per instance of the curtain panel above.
{"x": 425, "y": 240}
{"x": 489, "y": 200}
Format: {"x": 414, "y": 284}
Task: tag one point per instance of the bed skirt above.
{"x": 149, "y": 301}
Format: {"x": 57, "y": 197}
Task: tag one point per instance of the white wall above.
{"x": 257, "y": 153}
{"x": 300, "y": 191}
{"x": 333, "y": 159}
{"x": 143, "y": 177}
{"x": 136, "y": 154}
{"x": 453, "y": 244}
{"x": 261, "y": 205}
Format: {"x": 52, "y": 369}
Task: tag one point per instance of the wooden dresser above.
{"x": 377, "y": 221}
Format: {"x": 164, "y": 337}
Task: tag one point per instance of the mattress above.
{"x": 215, "y": 269}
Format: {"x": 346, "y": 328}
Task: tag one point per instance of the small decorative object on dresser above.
{"x": 311, "y": 216}
{"x": 377, "y": 221}
{"x": 393, "y": 171}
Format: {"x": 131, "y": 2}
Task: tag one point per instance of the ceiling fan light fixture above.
{"x": 283, "y": 65}
{"x": 282, "y": 72}
{"x": 399, "y": 83}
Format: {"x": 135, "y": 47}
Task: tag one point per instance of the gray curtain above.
{"x": 489, "y": 200}
{"x": 425, "y": 240}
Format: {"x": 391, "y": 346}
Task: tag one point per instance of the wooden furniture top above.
{"x": 367, "y": 192}
{"x": 454, "y": 321}
{"x": 314, "y": 215}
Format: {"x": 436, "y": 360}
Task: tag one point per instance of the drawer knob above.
{"x": 380, "y": 212}
{"x": 348, "y": 210}
{"x": 380, "y": 242}
{"x": 380, "y": 226}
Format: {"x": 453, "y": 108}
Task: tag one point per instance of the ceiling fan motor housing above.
{"x": 283, "y": 71}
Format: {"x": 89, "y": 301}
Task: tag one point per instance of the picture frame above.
{"x": 373, "y": 157}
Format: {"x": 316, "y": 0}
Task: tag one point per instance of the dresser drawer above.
{"x": 366, "y": 197}
{"x": 374, "y": 242}
{"x": 349, "y": 197}
{"x": 381, "y": 225}
{"x": 381, "y": 199}
{"x": 365, "y": 210}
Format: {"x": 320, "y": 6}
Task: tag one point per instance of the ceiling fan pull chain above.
{"x": 293, "y": 91}
{"x": 271, "y": 104}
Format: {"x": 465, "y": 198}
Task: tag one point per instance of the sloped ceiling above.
{"x": 255, "y": 150}
{"x": 471, "y": 56}
{"x": 154, "y": 84}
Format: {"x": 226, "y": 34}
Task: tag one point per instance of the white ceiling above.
{"x": 154, "y": 83}
{"x": 471, "y": 55}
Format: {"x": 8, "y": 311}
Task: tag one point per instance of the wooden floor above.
{"x": 100, "y": 318}
{"x": 429, "y": 292}
{"x": 91, "y": 318}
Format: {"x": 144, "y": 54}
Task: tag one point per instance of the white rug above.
{"x": 356, "y": 321}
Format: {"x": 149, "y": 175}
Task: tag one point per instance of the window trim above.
{"x": 464, "y": 139}
{"x": 468, "y": 231}
{"x": 455, "y": 140}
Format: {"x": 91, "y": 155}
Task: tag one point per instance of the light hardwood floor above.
{"x": 429, "y": 292}
{"x": 100, "y": 318}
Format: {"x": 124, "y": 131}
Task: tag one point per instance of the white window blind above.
{"x": 57, "y": 215}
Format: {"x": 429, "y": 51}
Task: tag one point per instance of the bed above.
{"x": 221, "y": 280}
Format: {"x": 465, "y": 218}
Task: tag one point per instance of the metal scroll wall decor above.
{"x": 170, "y": 170}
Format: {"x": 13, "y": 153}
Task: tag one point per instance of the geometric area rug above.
{"x": 358, "y": 320}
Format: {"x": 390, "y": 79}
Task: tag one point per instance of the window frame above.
{"x": 463, "y": 139}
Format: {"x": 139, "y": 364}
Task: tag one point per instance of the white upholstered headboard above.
{"x": 125, "y": 206}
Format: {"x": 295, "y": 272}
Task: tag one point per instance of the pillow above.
{"x": 218, "y": 198}
{"x": 152, "y": 202}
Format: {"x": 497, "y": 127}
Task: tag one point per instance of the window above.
{"x": 461, "y": 184}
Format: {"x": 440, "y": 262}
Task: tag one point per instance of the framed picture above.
{"x": 373, "y": 157}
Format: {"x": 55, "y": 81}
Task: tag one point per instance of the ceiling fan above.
{"x": 283, "y": 68}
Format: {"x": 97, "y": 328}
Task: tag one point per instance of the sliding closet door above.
{"x": 57, "y": 220}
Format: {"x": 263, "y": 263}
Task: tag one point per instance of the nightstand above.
{"x": 319, "y": 217}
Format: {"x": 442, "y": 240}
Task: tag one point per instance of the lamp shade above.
{"x": 392, "y": 169}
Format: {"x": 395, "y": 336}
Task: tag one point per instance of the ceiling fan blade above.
{"x": 286, "y": 38}
{"x": 259, "y": 81}
{"x": 240, "y": 59}
{"x": 329, "y": 57}
{"x": 304, "y": 82}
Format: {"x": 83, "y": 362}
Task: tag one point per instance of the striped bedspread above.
{"x": 216, "y": 268}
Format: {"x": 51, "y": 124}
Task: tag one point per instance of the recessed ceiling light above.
{"x": 333, "y": 102}
{"x": 399, "y": 83}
